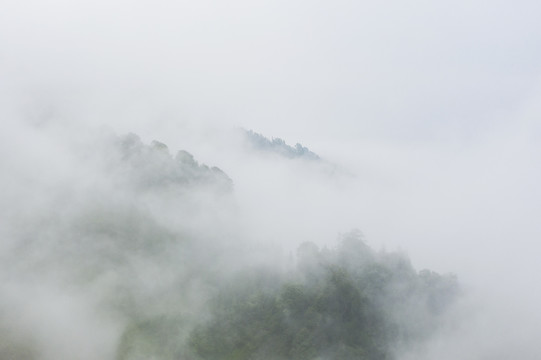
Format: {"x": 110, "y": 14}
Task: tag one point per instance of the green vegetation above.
{"x": 344, "y": 303}
{"x": 146, "y": 251}
{"x": 151, "y": 166}
{"x": 347, "y": 303}
{"x": 279, "y": 146}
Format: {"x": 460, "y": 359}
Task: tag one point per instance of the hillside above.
{"x": 135, "y": 255}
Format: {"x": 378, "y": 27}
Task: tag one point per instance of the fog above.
{"x": 425, "y": 117}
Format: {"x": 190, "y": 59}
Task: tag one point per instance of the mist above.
{"x": 425, "y": 117}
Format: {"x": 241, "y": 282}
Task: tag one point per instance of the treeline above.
{"x": 349, "y": 302}
{"x": 278, "y": 146}
{"x": 345, "y": 303}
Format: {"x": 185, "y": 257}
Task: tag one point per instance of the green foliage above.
{"x": 349, "y": 303}
{"x": 279, "y": 146}
{"x": 151, "y": 167}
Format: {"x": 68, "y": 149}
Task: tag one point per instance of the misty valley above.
{"x": 137, "y": 254}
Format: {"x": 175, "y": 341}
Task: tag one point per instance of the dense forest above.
{"x": 345, "y": 303}
{"x": 146, "y": 249}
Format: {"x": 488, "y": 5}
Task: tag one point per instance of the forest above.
{"x": 147, "y": 258}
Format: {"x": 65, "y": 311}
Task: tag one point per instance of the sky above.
{"x": 432, "y": 106}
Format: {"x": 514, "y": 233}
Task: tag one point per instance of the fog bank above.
{"x": 426, "y": 116}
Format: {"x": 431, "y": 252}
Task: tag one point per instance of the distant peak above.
{"x": 279, "y": 146}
